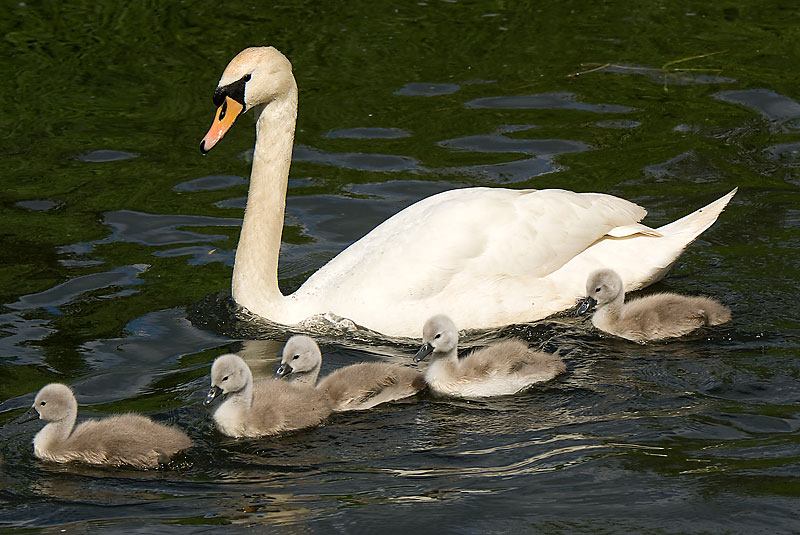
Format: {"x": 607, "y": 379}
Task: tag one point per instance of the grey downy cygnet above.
{"x": 264, "y": 407}
{"x": 120, "y": 440}
{"x": 506, "y": 367}
{"x": 653, "y": 317}
{"x": 356, "y": 387}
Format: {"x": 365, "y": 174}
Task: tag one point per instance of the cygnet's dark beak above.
{"x": 423, "y": 352}
{"x": 212, "y": 395}
{"x": 586, "y": 305}
{"x": 27, "y": 416}
{"x": 283, "y": 370}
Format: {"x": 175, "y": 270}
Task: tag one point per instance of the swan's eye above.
{"x": 246, "y": 77}
{"x": 223, "y": 110}
{"x": 295, "y": 357}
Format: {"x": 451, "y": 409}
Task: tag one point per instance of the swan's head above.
{"x": 439, "y": 336}
{"x": 301, "y": 354}
{"x": 603, "y": 286}
{"x": 53, "y": 403}
{"x": 229, "y": 374}
{"x": 256, "y": 76}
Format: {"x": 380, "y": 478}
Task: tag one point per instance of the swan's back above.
{"x": 506, "y": 367}
{"x": 667, "y": 315}
{"x": 366, "y": 384}
{"x": 277, "y": 406}
{"x": 490, "y": 245}
{"x": 126, "y": 439}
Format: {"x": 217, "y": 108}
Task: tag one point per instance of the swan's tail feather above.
{"x": 698, "y": 221}
{"x": 640, "y": 259}
{"x": 681, "y": 233}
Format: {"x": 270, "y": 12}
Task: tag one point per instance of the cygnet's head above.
{"x": 301, "y": 354}
{"x": 257, "y": 75}
{"x": 229, "y": 374}
{"x": 53, "y": 403}
{"x": 603, "y": 286}
{"x": 439, "y": 336}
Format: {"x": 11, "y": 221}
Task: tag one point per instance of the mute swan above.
{"x": 506, "y": 367}
{"x": 268, "y": 407}
{"x": 488, "y": 257}
{"x": 125, "y": 439}
{"x": 653, "y": 317}
{"x": 352, "y": 388}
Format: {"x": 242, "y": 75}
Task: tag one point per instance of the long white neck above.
{"x": 255, "y": 272}
{"x": 54, "y": 433}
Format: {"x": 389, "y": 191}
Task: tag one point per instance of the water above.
{"x": 118, "y": 240}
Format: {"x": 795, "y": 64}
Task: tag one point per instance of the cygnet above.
{"x": 266, "y": 407}
{"x": 653, "y": 317}
{"x": 506, "y": 367}
{"x": 355, "y": 387}
{"x": 124, "y": 439}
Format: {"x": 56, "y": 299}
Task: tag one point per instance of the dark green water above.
{"x": 118, "y": 240}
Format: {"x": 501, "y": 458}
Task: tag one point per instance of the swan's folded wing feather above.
{"x": 631, "y": 230}
{"x": 462, "y": 236}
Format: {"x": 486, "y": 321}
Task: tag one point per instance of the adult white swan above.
{"x": 486, "y": 257}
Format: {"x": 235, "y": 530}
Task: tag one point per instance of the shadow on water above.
{"x": 119, "y": 239}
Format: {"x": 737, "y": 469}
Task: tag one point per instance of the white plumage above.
{"x": 487, "y": 257}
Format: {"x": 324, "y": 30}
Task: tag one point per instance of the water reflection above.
{"x": 783, "y": 112}
{"x": 550, "y": 101}
{"x": 501, "y": 143}
{"x": 68, "y": 291}
{"x": 356, "y": 160}
{"x": 367, "y": 133}
{"x": 417, "y": 89}
{"x": 211, "y": 182}
{"x": 105, "y": 155}
{"x": 667, "y": 75}
{"x": 38, "y": 205}
{"x": 689, "y": 165}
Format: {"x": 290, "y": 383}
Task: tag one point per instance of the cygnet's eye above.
{"x": 438, "y": 335}
{"x": 597, "y": 289}
{"x": 295, "y": 357}
{"x": 42, "y": 403}
{"x": 225, "y": 378}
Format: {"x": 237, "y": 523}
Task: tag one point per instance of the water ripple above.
{"x": 548, "y": 101}
{"x": 783, "y": 112}
{"x": 419, "y": 89}
{"x": 356, "y": 160}
{"x": 367, "y": 133}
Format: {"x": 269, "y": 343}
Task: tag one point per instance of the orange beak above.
{"x": 226, "y": 115}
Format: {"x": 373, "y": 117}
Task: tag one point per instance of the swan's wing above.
{"x": 470, "y": 235}
{"x": 632, "y": 230}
